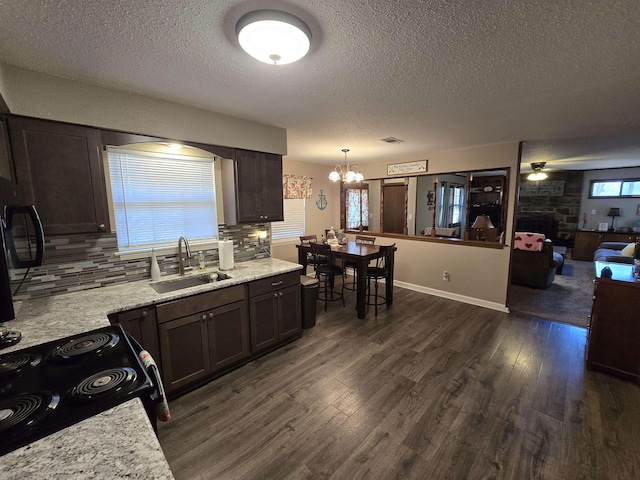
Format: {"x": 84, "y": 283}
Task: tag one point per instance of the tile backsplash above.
{"x": 84, "y": 261}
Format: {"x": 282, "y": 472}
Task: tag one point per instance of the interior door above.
{"x": 394, "y": 208}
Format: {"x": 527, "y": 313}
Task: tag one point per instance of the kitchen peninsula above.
{"x": 118, "y": 443}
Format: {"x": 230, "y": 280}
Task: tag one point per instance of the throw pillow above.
{"x": 629, "y": 250}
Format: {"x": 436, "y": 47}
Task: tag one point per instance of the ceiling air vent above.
{"x": 392, "y": 140}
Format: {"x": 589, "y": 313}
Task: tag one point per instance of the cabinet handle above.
{"x": 280, "y": 294}
{"x": 275, "y": 295}
{"x": 143, "y": 314}
{"x": 276, "y": 284}
{"x": 210, "y": 316}
{"x": 102, "y": 227}
{"x": 204, "y": 317}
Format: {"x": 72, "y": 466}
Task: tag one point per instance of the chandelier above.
{"x": 537, "y": 173}
{"x": 347, "y": 173}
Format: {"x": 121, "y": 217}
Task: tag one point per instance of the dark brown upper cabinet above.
{"x": 58, "y": 169}
{"x": 258, "y": 178}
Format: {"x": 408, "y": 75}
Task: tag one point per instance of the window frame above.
{"x": 622, "y": 183}
{"x": 167, "y": 247}
{"x": 284, "y": 225}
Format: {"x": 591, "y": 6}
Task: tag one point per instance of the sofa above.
{"x": 613, "y": 252}
{"x": 535, "y": 269}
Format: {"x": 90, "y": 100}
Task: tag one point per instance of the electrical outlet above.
{"x": 445, "y": 276}
{"x": 593, "y": 212}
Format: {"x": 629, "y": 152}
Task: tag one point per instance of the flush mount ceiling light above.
{"x": 272, "y": 36}
{"x": 537, "y": 173}
{"x": 347, "y": 173}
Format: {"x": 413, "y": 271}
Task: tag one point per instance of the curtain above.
{"x": 296, "y": 186}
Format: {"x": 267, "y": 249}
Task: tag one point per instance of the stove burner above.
{"x": 107, "y": 381}
{"x": 85, "y": 345}
{"x": 25, "y": 410}
{"x": 13, "y": 363}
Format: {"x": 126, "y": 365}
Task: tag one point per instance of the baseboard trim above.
{"x": 452, "y": 296}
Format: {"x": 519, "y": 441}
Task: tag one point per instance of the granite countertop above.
{"x": 129, "y": 447}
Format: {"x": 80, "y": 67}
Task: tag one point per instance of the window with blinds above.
{"x": 294, "y": 221}
{"x": 158, "y": 197}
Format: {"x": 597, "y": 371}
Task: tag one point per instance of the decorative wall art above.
{"x": 407, "y": 167}
{"x": 550, "y": 188}
{"x": 321, "y": 203}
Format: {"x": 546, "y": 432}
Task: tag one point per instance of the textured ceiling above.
{"x": 437, "y": 74}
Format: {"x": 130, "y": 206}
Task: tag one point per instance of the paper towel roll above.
{"x": 225, "y": 252}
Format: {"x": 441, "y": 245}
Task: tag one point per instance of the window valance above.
{"x": 296, "y": 186}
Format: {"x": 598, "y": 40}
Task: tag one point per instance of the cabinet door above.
{"x": 290, "y": 321}
{"x": 184, "y": 347}
{"x": 59, "y": 170}
{"x": 249, "y": 186}
{"x": 613, "y": 340}
{"x": 586, "y": 244}
{"x": 258, "y": 186}
{"x": 141, "y": 324}
{"x": 263, "y": 311}
{"x": 228, "y": 330}
{"x": 272, "y": 188}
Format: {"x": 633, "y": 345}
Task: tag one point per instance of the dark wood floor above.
{"x": 429, "y": 389}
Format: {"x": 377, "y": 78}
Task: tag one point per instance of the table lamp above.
{"x": 482, "y": 223}
{"x": 613, "y": 213}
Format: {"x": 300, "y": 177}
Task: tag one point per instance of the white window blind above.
{"x": 159, "y": 197}
{"x": 294, "y": 220}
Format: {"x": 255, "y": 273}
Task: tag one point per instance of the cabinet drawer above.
{"x": 266, "y": 285}
{"x": 198, "y": 303}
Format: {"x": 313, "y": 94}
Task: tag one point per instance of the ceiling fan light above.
{"x": 537, "y": 176}
{"x": 273, "y": 37}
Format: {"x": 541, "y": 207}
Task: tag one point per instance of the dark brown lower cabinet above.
{"x": 612, "y": 345}
{"x": 141, "y": 324}
{"x": 202, "y": 334}
{"x": 274, "y": 306}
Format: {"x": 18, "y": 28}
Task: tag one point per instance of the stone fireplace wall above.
{"x": 565, "y": 208}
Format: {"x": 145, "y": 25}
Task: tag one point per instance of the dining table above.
{"x": 360, "y": 254}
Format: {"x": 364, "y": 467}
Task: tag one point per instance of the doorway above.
{"x": 394, "y": 208}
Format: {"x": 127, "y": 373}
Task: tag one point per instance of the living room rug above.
{"x": 567, "y": 300}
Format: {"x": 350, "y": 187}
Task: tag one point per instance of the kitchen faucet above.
{"x": 188, "y": 250}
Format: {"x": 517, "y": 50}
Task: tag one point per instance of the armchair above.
{"x": 535, "y": 269}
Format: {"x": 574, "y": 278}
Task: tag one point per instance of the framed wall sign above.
{"x": 545, "y": 188}
{"x": 407, "y": 167}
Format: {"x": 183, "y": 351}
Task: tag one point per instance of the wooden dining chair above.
{"x": 312, "y": 259}
{"x": 327, "y": 274}
{"x": 352, "y": 265}
{"x": 377, "y": 273}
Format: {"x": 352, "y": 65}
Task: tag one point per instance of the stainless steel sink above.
{"x": 186, "y": 282}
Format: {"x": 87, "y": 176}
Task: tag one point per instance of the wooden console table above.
{"x": 614, "y": 330}
{"x": 587, "y": 241}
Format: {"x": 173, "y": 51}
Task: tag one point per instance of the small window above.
{"x": 293, "y": 225}
{"x": 357, "y": 208}
{"x": 159, "y": 197}
{"x": 614, "y": 188}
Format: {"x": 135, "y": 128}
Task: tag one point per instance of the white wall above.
{"x": 317, "y": 220}
{"x": 39, "y": 95}
{"x": 477, "y": 275}
{"x": 629, "y": 207}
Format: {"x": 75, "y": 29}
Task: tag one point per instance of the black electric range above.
{"x": 51, "y": 386}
